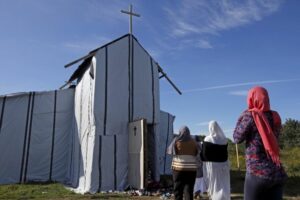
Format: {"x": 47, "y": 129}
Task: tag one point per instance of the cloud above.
{"x": 199, "y": 18}
{"x": 202, "y": 123}
{"x": 204, "y": 44}
{"x": 238, "y": 85}
{"x": 211, "y": 17}
{"x": 239, "y": 93}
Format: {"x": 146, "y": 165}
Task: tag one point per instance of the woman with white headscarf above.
{"x": 216, "y": 166}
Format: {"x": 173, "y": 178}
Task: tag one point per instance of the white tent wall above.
{"x": 33, "y": 146}
{"x": 116, "y": 90}
{"x": 112, "y": 115}
{"x": 123, "y": 93}
{"x": 84, "y": 134}
{"x": 166, "y": 133}
{"x": 145, "y": 86}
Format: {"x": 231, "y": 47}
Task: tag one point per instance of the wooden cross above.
{"x": 130, "y": 13}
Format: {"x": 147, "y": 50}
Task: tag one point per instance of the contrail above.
{"x": 238, "y": 84}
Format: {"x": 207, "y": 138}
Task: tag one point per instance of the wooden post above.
{"x": 237, "y": 156}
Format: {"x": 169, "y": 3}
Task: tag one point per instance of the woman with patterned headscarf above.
{"x": 215, "y": 163}
{"x": 259, "y": 127}
{"x": 184, "y": 150}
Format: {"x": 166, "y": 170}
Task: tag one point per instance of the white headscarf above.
{"x": 216, "y": 175}
{"x": 216, "y": 135}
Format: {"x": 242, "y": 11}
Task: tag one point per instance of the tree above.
{"x": 290, "y": 136}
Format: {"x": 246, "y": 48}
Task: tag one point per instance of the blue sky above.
{"x": 214, "y": 51}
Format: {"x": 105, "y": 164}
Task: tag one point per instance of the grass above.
{"x": 54, "y": 191}
{"x": 59, "y": 192}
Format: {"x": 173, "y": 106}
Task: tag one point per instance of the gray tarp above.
{"x": 166, "y": 136}
{"x": 35, "y": 136}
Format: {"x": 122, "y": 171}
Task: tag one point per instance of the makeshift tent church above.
{"x": 105, "y": 133}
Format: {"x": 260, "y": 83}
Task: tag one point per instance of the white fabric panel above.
{"x": 38, "y": 168}
{"x": 12, "y": 138}
{"x": 107, "y": 163}
{"x": 166, "y": 137}
{"x": 84, "y": 148}
{"x": 100, "y": 91}
{"x": 117, "y": 88}
{"x": 63, "y": 130}
{"x": 142, "y": 84}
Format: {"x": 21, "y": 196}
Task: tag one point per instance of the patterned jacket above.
{"x": 257, "y": 161}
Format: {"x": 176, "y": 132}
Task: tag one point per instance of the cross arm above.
{"x": 130, "y": 13}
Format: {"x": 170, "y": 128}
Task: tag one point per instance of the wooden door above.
{"x": 137, "y": 154}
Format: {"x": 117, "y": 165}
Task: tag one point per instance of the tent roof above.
{"x": 87, "y": 59}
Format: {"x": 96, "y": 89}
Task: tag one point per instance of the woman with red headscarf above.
{"x": 259, "y": 127}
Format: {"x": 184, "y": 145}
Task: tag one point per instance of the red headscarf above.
{"x": 258, "y": 103}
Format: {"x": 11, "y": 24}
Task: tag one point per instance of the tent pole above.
{"x": 168, "y": 79}
{"x": 237, "y": 156}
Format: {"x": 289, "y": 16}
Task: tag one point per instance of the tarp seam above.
{"x": 115, "y": 162}
{"x": 153, "y": 98}
{"x": 2, "y": 113}
{"x": 25, "y": 137}
{"x": 132, "y": 79}
{"x": 99, "y": 163}
{"x": 29, "y": 137}
{"x": 53, "y": 135}
{"x": 129, "y": 91}
{"x": 105, "y": 104}
{"x": 166, "y": 145}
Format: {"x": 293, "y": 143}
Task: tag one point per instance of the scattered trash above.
{"x": 166, "y": 196}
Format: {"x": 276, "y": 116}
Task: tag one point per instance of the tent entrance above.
{"x": 138, "y": 154}
{"x": 150, "y": 141}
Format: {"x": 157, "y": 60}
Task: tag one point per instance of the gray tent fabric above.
{"x": 31, "y": 150}
{"x": 79, "y": 136}
{"x": 12, "y": 137}
{"x": 166, "y": 136}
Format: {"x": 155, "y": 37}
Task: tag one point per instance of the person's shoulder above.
{"x": 246, "y": 113}
{"x": 275, "y": 113}
{"x": 276, "y": 118}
